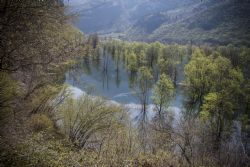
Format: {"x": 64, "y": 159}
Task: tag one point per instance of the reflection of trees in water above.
{"x": 105, "y": 71}
{"x": 105, "y": 79}
{"x": 110, "y": 66}
{"x": 96, "y": 58}
{"x": 105, "y": 62}
{"x": 117, "y": 78}
{"x": 132, "y": 80}
{"x": 75, "y": 72}
{"x": 114, "y": 62}
{"x": 85, "y": 66}
{"x": 117, "y": 70}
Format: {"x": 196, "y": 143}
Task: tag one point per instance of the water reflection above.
{"x": 110, "y": 79}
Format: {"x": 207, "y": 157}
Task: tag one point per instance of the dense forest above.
{"x": 43, "y": 123}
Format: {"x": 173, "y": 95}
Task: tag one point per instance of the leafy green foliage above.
{"x": 215, "y": 87}
{"x": 162, "y": 93}
{"x": 207, "y": 74}
{"x": 197, "y": 76}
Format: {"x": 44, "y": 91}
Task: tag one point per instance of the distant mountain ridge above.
{"x": 217, "y": 23}
{"x": 181, "y": 21}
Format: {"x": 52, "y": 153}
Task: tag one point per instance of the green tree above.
{"x": 132, "y": 63}
{"x": 153, "y": 52}
{"x": 221, "y": 103}
{"x": 197, "y": 73}
{"x": 144, "y": 82}
{"x": 245, "y": 118}
{"x": 163, "y": 92}
{"x": 218, "y": 110}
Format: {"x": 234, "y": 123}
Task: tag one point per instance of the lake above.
{"x": 115, "y": 85}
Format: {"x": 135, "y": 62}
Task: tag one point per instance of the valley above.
{"x": 183, "y": 21}
{"x": 124, "y": 83}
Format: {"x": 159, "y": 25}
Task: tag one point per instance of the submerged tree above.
{"x": 162, "y": 94}
{"x": 198, "y": 72}
{"x": 144, "y": 82}
{"x": 214, "y": 90}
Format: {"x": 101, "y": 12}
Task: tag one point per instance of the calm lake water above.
{"x": 115, "y": 84}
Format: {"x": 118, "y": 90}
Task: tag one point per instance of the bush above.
{"x": 159, "y": 159}
{"x": 40, "y": 122}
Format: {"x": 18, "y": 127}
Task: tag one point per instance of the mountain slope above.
{"x": 181, "y": 21}
{"x": 106, "y": 16}
{"x": 222, "y": 23}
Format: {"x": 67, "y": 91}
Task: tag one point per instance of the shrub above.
{"x": 40, "y": 122}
